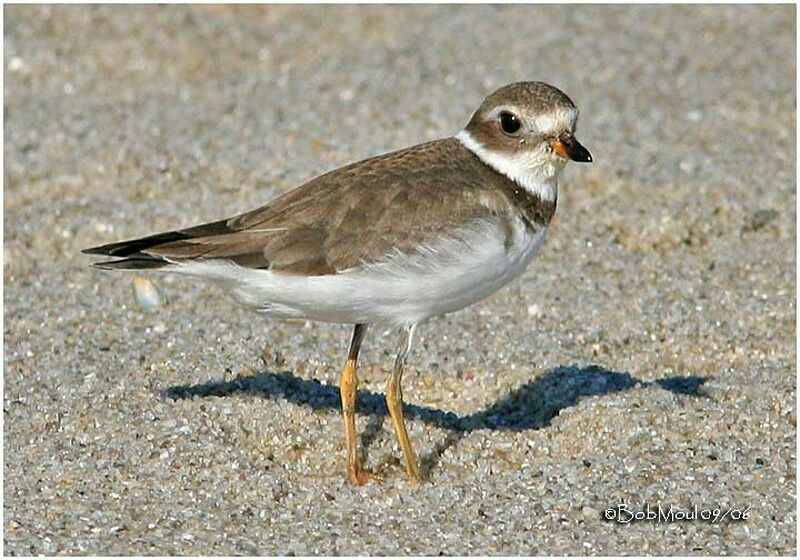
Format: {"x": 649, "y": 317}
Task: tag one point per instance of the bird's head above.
{"x": 526, "y": 131}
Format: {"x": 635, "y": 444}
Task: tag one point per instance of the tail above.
{"x": 134, "y": 252}
{"x": 132, "y": 249}
{"x": 131, "y": 264}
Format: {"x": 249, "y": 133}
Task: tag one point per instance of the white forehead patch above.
{"x": 560, "y": 119}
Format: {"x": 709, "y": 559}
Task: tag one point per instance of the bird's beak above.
{"x": 568, "y": 148}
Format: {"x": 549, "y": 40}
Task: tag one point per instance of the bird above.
{"x": 391, "y": 240}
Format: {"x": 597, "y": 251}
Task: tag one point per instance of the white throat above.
{"x": 537, "y": 176}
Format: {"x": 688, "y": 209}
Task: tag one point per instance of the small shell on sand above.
{"x": 146, "y": 293}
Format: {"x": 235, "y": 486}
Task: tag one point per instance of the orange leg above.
{"x": 394, "y": 402}
{"x": 348, "y": 387}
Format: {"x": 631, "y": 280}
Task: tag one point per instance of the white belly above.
{"x": 444, "y": 277}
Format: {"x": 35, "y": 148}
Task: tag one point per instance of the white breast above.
{"x": 441, "y": 277}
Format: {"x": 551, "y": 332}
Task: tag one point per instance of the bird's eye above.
{"x": 509, "y": 122}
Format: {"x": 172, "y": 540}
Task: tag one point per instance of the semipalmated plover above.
{"x": 394, "y": 239}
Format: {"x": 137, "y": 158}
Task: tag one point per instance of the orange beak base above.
{"x": 560, "y": 148}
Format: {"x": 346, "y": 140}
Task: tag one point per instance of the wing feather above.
{"x": 351, "y": 216}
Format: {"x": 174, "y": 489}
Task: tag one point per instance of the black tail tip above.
{"x": 130, "y": 264}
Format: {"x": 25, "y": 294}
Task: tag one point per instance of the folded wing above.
{"x": 357, "y": 214}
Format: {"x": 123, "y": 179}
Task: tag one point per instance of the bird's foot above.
{"x": 359, "y": 477}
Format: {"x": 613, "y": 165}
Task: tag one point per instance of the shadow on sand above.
{"x": 530, "y": 406}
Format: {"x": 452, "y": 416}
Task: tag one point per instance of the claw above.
{"x": 359, "y": 477}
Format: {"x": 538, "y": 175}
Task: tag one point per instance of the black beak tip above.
{"x": 576, "y": 151}
{"x": 581, "y": 155}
